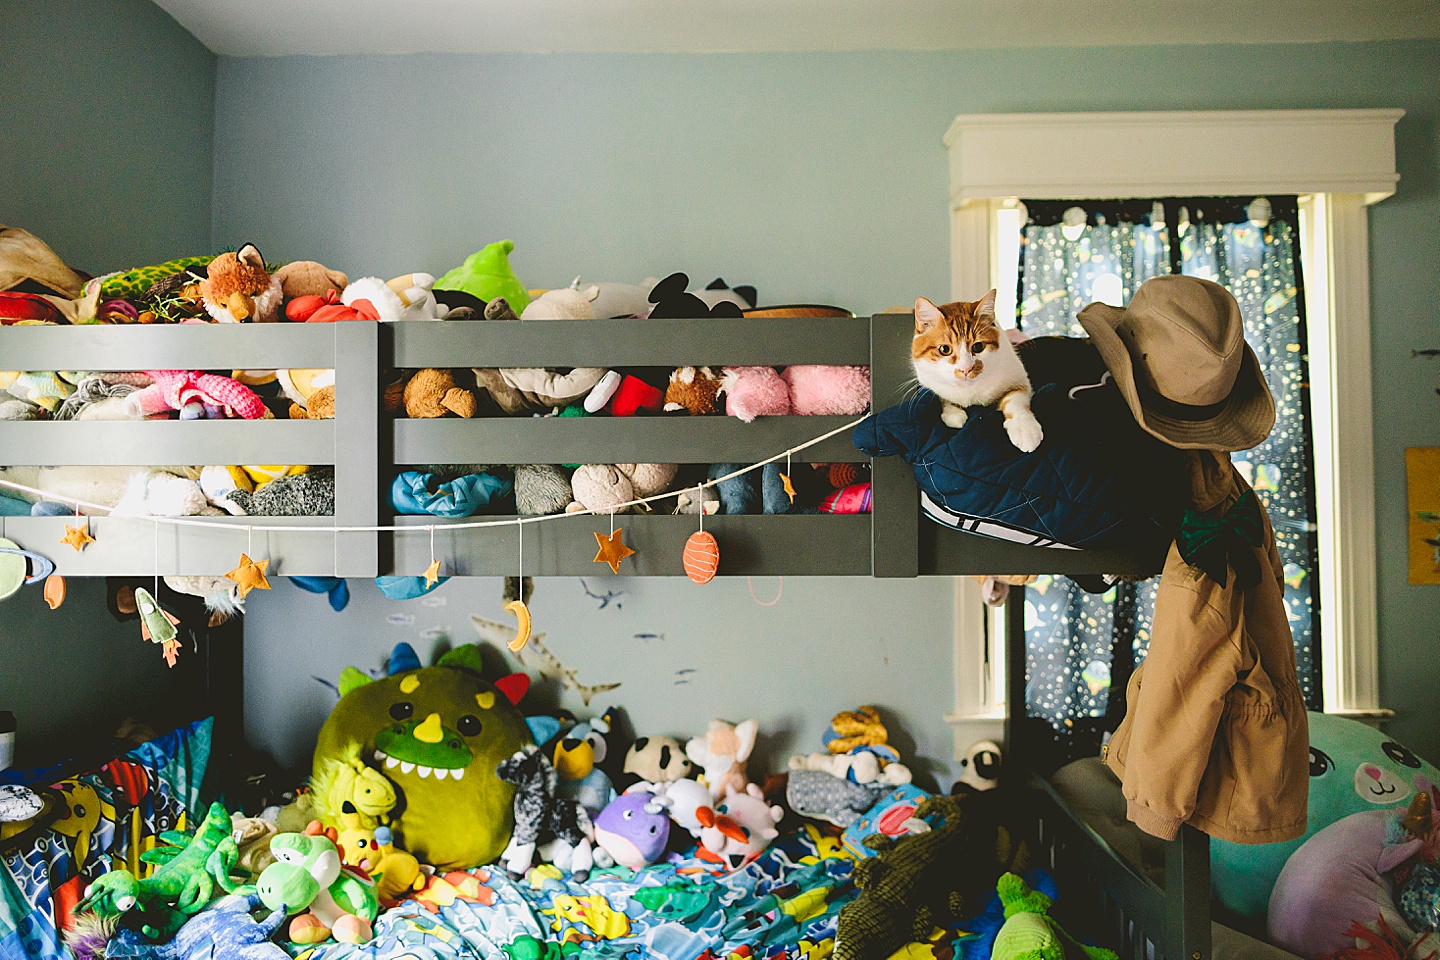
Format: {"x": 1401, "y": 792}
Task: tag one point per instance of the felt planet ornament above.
{"x": 702, "y": 556}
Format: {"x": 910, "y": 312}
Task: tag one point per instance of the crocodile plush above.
{"x": 1029, "y": 933}
{"x": 924, "y": 880}
{"x": 180, "y": 887}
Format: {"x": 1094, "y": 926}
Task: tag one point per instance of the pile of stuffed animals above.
{"x": 242, "y": 287}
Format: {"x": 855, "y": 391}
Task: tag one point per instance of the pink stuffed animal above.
{"x": 805, "y": 390}
{"x": 752, "y": 392}
{"x": 738, "y": 829}
{"x": 197, "y": 396}
{"x": 722, "y": 753}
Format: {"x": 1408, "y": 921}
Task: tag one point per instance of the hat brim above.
{"x": 1244, "y": 422}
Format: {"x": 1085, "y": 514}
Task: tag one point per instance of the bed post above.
{"x": 1187, "y": 895}
{"x": 895, "y": 518}
{"x": 357, "y": 434}
{"x": 1014, "y": 771}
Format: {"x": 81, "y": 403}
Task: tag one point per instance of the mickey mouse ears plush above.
{"x": 673, "y": 303}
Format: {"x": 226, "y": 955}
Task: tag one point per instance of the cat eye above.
{"x": 943, "y": 349}
{"x": 979, "y": 348}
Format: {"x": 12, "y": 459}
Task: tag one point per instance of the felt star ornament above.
{"x": 77, "y": 537}
{"x": 432, "y": 573}
{"x": 249, "y": 575}
{"x": 612, "y": 549}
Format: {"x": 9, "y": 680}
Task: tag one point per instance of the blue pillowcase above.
{"x": 414, "y": 492}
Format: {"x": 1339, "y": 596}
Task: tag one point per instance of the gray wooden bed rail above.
{"x": 367, "y": 448}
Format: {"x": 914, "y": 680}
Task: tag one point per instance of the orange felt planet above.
{"x": 702, "y": 557}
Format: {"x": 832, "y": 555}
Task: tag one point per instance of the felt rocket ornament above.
{"x": 157, "y": 625}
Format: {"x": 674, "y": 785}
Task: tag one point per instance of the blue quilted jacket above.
{"x": 1096, "y": 481}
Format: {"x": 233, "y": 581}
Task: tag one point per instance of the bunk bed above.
{"x": 1142, "y": 919}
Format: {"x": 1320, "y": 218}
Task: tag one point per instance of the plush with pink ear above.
{"x": 752, "y": 392}
{"x": 818, "y": 390}
{"x": 738, "y": 829}
{"x": 1337, "y": 878}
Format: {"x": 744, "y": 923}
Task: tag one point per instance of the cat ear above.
{"x": 985, "y": 307}
{"x": 926, "y": 314}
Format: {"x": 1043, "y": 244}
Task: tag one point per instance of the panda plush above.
{"x": 657, "y": 760}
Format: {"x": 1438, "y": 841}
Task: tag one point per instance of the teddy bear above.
{"x": 599, "y": 487}
{"x": 696, "y": 390}
{"x": 238, "y": 289}
{"x": 306, "y": 278}
{"x": 433, "y": 393}
{"x": 320, "y": 406}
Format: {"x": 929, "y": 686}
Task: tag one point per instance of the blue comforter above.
{"x": 1096, "y": 481}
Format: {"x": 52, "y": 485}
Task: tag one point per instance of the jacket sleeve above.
{"x": 1193, "y": 661}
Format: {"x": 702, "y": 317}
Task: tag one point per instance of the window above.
{"x": 1335, "y": 163}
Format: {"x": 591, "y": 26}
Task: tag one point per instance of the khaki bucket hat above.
{"x": 1179, "y": 356}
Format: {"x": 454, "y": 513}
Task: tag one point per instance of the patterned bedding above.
{"x": 115, "y": 812}
{"x": 783, "y": 905}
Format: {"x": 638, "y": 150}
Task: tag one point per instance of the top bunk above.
{"x": 367, "y": 447}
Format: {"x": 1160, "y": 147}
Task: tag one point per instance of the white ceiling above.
{"x": 251, "y": 28}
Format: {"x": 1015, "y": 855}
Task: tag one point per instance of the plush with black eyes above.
{"x": 657, "y": 760}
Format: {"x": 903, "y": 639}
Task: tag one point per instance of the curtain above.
{"x": 1082, "y": 646}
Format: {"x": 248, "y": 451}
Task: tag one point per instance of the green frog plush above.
{"x": 437, "y": 733}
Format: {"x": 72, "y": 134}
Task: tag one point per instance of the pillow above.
{"x": 437, "y": 733}
{"x": 1097, "y": 480}
{"x": 1353, "y": 767}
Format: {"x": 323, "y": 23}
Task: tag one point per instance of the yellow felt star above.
{"x": 612, "y": 550}
{"x": 249, "y": 575}
{"x": 76, "y": 537}
{"x": 432, "y": 573}
{"x": 789, "y": 487}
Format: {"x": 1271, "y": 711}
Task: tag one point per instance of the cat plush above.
{"x": 962, "y": 356}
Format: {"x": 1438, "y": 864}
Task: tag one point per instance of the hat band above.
{"x": 1176, "y": 410}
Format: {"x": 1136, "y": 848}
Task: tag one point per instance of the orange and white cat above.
{"x": 962, "y": 356}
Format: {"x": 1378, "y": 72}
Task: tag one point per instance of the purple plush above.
{"x": 633, "y": 828}
{"x": 1335, "y": 879}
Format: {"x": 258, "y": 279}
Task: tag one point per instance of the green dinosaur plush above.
{"x": 925, "y": 880}
{"x": 307, "y": 876}
{"x": 487, "y": 275}
{"x": 1029, "y": 933}
{"x": 438, "y": 734}
{"x": 133, "y": 283}
{"x": 180, "y": 887}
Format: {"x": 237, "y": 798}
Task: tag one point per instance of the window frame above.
{"x": 1338, "y": 162}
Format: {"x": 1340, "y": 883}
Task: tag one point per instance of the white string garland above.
{"x": 464, "y": 525}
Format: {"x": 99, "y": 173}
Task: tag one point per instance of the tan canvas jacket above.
{"x": 1215, "y": 732}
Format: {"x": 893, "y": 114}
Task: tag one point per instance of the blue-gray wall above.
{"x": 107, "y": 109}
{"x": 105, "y": 138}
{"x": 816, "y": 177}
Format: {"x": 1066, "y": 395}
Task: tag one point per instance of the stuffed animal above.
{"x": 570, "y": 303}
{"x": 538, "y": 812}
{"x": 238, "y": 289}
{"x": 434, "y": 393}
{"x": 657, "y": 760}
{"x": 309, "y": 881}
{"x": 979, "y": 768}
{"x": 132, "y": 284}
{"x": 634, "y": 828}
{"x": 349, "y": 795}
{"x": 923, "y": 881}
{"x": 601, "y": 487}
{"x": 308, "y": 494}
{"x": 407, "y": 297}
{"x": 752, "y": 392}
{"x": 252, "y": 835}
{"x": 488, "y": 275}
{"x": 1353, "y": 767}
{"x": 437, "y": 733}
{"x": 738, "y": 829}
{"x": 394, "y": 871}
{"x": 722, "y": 754}
{"x": 577, "y": 757}
{"x": 820, "y": 390}
{"x": 1337, "y": 878}
{"x": 154, "y": 493}
{"x": 1029, "y": 933}
{"x": 695, "y": 390}
{"x": 672, "y": 302}
{"x": 225, "y": 930}
{"x": 863, "y": 767}
{"x": 327, "y": 308}
{"x": 319, "y": 406}
{"x": 522, "y": 391}
{"x": 824, "y": 796}
{"x": 541, "y": 488}
{"x": 196, "y": 395}
{"x": 685, "y": 799}
{"x": 306, "y": 278}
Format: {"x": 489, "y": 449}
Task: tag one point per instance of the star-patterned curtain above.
{"x": 1082, "y": 645}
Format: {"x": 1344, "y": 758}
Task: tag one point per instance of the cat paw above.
{"x": 1024, "y": 431}
{"x": 953, "y": 416}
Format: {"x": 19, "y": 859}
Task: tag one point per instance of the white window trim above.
{"x": 1338, "y": 162}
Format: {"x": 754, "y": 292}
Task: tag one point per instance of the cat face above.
{"x": 954, "y": 340}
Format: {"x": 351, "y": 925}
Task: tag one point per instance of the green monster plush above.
{"x": 438, "y": 733}
{"x": 1029, "y": 933}
{"x": 1353, "y": 767}
{"x": 487, "y": 275}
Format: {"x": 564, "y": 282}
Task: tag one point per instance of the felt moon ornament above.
{"x": 54, "y": 591}
{"x": 522, "y": 632}
{"x": 702, "y": 556}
